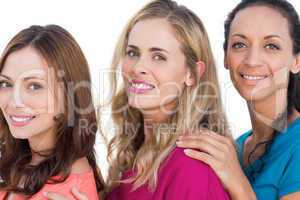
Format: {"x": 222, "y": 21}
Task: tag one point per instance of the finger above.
{"x": 204, "y": 157}
{"x": 200, "y": 145}
{"x": 78, "y": 195}
{"x": 207, "y": 133}
{"x": 221, "y": 138}
{"x": 54, "y": 196}
{"x": 198, "y": 141}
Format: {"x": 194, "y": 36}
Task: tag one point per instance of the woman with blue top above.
{"x": 262, "y": 46}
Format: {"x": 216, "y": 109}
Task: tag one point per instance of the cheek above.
{"x": 280, "y": 76}
{"x": 233, "y": 61}
{"x": 170, "y": 73}
{"x": 169, "y": 83}
{"x": 281, "y": 64}
{"x": 42, "y": 102}
{"x": 5, "y": 97}
{"x": 127, "y": 66}
{"x": 280, "y": 69}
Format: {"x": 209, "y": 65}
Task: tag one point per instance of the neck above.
{"x": 157, "y": 118}
{"x": 41, "y": 145}
{"x": 261, "y": 131}
{"x": 264, "y": 112}
{"x": 160, "y": 114}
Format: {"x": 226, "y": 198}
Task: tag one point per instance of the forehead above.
{"x": 153, "y": 33}
{"x": 25, "y": 62}
{"x": 260, "y": 21}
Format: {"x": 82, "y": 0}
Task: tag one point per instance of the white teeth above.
{"x": 21, "y": 119}
{"x": 254, "y": 77}
{"x": 141, "y": 86}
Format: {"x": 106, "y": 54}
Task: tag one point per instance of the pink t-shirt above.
{"x": 179, "y": 178}
{"x": 84, "y": 181}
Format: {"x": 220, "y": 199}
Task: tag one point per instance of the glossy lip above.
{"x": 139, "y": 90}
{"x": 20, "y": 123}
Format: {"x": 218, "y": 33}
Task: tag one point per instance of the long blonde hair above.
{"x": 195, "y": 107}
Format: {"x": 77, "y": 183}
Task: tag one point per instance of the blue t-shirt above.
{"x": 277, "y": 172}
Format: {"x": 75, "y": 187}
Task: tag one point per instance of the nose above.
{"x": 253, "y": 57}
{"x": 141, "y": 67}
{"x": 16, "y": 97}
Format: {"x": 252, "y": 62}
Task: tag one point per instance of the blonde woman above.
{"x": 169, "y": 87}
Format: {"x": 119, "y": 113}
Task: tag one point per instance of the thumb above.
{"x": 54, "y": 196}
{"x": 78, "y": 195}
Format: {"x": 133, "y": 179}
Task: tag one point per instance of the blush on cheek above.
{"x": 127, "y": 67}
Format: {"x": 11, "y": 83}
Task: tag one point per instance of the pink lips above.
{"x": 139, "y": 86}
{"x": 20, "y": 120}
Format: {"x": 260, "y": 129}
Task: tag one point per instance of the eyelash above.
{"x": 159, "y": 57}
{"x": 4, "y": 82}
{"x": 7, "y": 85}
{"x": 273, "y": 46}
{"x": 234, "y": 45}
{"x": 156, "y": 57}
{"x": 129, "y": 52}
{"x": 39, "y": 86}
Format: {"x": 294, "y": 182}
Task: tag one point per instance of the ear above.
{"x": 296, "y": 66}
{"x": 191, "y": 79}
{"x": 200, "y": 68}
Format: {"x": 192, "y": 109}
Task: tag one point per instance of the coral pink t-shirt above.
{"x": 84, "y": 181}
{"x": 179, "y": 178}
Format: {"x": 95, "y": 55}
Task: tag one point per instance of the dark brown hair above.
{"x": 293, "y": 95}
{"x": 63, "y": 54}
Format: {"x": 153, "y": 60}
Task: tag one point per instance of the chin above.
{"x": 25, "y": 132}
{"x": 142, "y": 103}
{"x": 142, "y": 107}
{"x": 250, "y": 95}
{"x": 22, "y": 135}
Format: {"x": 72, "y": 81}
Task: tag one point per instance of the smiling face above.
{"x": 154, "y": 67}
{"x": 26, "y": 96}
{"x": 260, "y": 52}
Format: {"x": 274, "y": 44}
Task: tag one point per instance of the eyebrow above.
{"x": 25, "y": 79}
{"x": 33, "y": 77}
{"x": 151, "y": 49}
{"x": 6, "y": 77}
{"x": 267, "y": 37}
{"x": 239, "y": 35}
{"x": 272, "y": 36}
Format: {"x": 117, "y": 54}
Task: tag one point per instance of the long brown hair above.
{"x": 64, "y": 56}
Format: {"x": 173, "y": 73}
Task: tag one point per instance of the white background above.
{"x": 96, "y": 25}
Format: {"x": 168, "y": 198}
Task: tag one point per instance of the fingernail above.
{"x": 45, "y": 194}
{"x": 187, "y": 151}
